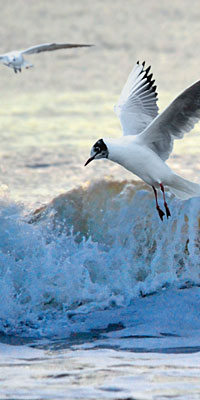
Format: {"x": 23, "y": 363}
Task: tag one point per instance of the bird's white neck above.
{"x": 116, "y": 146}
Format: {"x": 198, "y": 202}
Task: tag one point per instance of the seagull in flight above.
{"x": 148, "y": 137}
{"x": 15, "y": 59}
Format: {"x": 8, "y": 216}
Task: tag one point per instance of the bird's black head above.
{"x": 99, "y": 150}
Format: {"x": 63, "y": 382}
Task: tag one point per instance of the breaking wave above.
{"x": 96, "y": 247}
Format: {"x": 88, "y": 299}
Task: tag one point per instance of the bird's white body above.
{"x": 16, "y": 61}
{"x": 138, "y": 159}
{"x": 148, "y": 166}
{"x": 149, "y": 136}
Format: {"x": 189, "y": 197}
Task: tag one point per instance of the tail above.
{"x": 27, "y": 65}
{"x": 183, "y": 189}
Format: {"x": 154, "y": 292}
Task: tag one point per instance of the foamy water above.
{"x": 72, "y": 257}
{"x": 114, "y": 375}
{"x": 76, "y": 285}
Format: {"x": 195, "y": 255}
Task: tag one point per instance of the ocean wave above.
{"x": 95, "y": 247}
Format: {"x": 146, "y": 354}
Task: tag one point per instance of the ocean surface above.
{"x": 99, "y": 298}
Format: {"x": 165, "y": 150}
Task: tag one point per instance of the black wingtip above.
{"x": 148, "y": 69}
{"x": 148, "y": 78}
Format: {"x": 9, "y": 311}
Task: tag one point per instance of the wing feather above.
{"x": 52, "y": 46}
{"x": 176, "y": 120}
{"x": 137, "y": 106}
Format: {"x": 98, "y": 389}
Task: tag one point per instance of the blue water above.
{"x": 91, "y": 311}
{"x": 70, "y": 258}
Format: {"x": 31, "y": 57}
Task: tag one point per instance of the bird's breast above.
{"x": 141, "y": 161}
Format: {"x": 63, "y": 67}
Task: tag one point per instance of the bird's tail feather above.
{"x": 184, "y": 189}
{"x": 27, "y": 65}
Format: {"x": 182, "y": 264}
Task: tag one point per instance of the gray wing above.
{"x": 52, "y": 46}
{"x": 176, "y": 120}
{"x": 137, "y": 106}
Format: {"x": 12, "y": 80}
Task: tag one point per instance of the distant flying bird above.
{"x": 15, "y": 59}
{"x": 148, "y": 137}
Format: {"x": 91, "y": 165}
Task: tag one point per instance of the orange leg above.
{"x": 160, "y": 212}
{"x": 165, "y": 203}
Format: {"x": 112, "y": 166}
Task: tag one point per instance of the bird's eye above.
{"x": 97, "y": 149}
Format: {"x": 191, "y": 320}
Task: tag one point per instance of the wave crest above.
{"x": 95, "y": 247}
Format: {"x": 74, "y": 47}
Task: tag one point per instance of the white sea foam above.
{"x": 96, "y": 247}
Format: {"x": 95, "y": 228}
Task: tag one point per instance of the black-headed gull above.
{"x": 15, "y": 59}
{"x": 148, "y": 137}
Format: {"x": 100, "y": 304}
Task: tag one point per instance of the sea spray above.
{"x": 96, "y": 247}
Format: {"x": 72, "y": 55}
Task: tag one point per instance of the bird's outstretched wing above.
{"x": 137, "y": 104}
{"x": 176, "y": 120}
{"x": 52, "y": 46}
